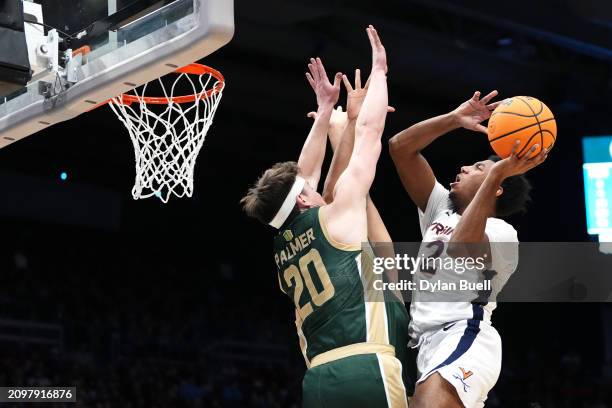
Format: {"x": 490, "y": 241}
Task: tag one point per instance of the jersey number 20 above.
{"x": 302, "y": 276}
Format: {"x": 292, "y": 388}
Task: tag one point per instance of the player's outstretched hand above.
{"x": 379, "y": 55}
{"x": 471, "y": 113}
{"x": 515, "y": 165}
{"x": 356, "y": 95}
{"x": 327, "y": 93}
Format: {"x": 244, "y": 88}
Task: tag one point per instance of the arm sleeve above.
{"x": 436, "y": 205}
{"x": 503, "y": 242}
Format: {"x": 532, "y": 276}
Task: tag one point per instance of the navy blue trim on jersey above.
{"x": 478, "y": 312}
{"x": 466, "y": 341}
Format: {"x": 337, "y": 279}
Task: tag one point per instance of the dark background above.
{"x": 177, "y": 304}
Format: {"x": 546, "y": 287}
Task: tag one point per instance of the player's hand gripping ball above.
{"x": 521, "y": 118}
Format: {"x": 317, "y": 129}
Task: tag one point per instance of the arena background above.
{"x": 148, "y": 305}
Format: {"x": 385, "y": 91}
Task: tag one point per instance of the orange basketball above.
{"x": 521, "y": 118}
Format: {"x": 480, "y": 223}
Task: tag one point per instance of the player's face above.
{"x": 468, "y": 181}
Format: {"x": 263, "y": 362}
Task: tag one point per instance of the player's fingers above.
{"x": 515, "y": 147}
{"x": 321, "y": 68}
{"x": 537, "y": 160}
{"x": 313, "y": 70}
{"x": 367, "y": 84}
{"x": 357, "y": 78}
{"x": 372, "y": 37}
{"x": 490, "y": 96}
{"x": 310, "y": 70}
{"x": 493, "y": 105}
{"x": 337, "y": 79}
{"x": 541, "y": 157}
{"x": 376, "y": 37}
{"x": 481, "y": 128}
{"x": 476, "y": 96}
{"x": 529, "y": 155}
{"x": 312, "y": 115}
{"x": 347, "y": 83}
{"x": 310, "y": 80}
{"x": 390, "y": 109}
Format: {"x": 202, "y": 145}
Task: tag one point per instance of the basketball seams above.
{"x": 520, "y": 114}
{"x": 526, "y": 133}
{"x": 551, "y": 134}
{"x": 529, "y": 141}
{"x": 520, "y": 98}
{"x": 531, "y": 138}
{"x": 511, "y": 113}
{"x": 520, "y": 129}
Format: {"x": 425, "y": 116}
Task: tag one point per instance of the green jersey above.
{"x": 325, "y": 280}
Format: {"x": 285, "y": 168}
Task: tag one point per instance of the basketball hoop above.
{"x": 168, "y": 131}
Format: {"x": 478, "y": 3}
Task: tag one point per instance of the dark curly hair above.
{"x": 515, "y": 196}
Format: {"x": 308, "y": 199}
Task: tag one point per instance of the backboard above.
{"x": 84, "y": 52}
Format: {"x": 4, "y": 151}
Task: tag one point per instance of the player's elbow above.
{"x": 369, "y": 129}
{"x": 394, "y": 146}
{"x": 400, "y": 146}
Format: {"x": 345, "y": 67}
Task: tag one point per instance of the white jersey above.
{"x": 437, "y": 225}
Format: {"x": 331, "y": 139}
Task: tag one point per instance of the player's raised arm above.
{"x": 346, "y": 216}
{"x": 337, "y": 125}
{"x": 313, "y": 152}
{"x": 344, "y": 145}
{"x": 471, "y": 227}
{"x": 405, "y": 147}
{"x": 342, "y": 139}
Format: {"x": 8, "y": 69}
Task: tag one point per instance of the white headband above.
{"x": 285, "y": 210}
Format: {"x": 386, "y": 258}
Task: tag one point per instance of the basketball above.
{"x": 521, "y": 118}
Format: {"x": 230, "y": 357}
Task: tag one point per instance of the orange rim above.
{"x": 83, "y": 50}
{"x": 192, "y": 69}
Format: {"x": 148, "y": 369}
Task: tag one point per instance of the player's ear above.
{"x": 302, "y": 202}
{"x": 500, "y": 191}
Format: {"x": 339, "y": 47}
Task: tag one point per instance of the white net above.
{"x": 167, "y": 135}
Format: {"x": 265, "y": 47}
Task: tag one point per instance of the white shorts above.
{"x": 467, "y": 354}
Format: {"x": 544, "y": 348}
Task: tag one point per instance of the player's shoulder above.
{"x": 334, "y": 230}
{"x": 438, "y": 192}
{"x": 499, "y": 230}
{"x": 304, "y": 219}
{"x": 437, "y": 202}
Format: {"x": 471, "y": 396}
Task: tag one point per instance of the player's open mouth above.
{"x": 457, "y": 180}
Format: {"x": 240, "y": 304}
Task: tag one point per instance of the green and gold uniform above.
{"x": 354, "y": 349}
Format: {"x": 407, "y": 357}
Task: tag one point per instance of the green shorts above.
{"x": 363, "y": 380}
